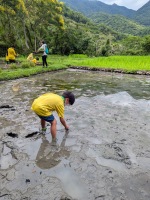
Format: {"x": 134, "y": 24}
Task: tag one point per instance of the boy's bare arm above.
{"x": 62, "y": 120}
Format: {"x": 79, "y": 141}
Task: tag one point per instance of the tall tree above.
{"x": 27, "y": 20}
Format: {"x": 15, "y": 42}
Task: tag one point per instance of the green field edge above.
{"x": 22, "y": 73}
{"x": 115, "y": 64}
{"x": 115, "y": 70}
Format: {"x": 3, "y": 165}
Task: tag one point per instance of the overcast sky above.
{"x": 132, "y": 4}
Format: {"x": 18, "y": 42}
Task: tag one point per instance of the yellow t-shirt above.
{"x": 11, "y": 53}
{"x": 34, "y": 61}
{"x": 30, "y": 57}
{"x": 47, "y": 103}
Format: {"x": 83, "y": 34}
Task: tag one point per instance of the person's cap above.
{"x": 70, "y": 96}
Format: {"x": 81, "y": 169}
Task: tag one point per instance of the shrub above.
{"x": 78, "y": 56}
{"x": 27, "y": 64}
{"x": 13, "y": 66}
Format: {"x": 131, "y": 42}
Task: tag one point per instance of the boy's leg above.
{"x": 53, "y": 128}
{"x": 43, "y": 123}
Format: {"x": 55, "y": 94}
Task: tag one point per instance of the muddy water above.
{"x": 105, "y": 155}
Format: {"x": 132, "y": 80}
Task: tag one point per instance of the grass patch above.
{"x": 9, "y": 74}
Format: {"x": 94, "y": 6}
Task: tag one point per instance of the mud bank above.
{"x": 105, "y": 155}
{"x": 139, "y": 72}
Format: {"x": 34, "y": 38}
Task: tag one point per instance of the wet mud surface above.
{"x": 105, "y": 155}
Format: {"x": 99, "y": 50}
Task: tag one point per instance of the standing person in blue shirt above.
{"x": 44, "y": 48}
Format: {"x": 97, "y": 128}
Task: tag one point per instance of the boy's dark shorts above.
{"x": 47, "y": 118}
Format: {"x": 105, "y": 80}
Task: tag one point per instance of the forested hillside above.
{"x": 88, "y": 7}
{"x": 142, "y": 15}
{"x": 120, "y": 24}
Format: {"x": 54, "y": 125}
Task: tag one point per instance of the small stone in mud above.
{"x": 13, "y": 109}
{"x": 27, "y": 180}
{"x": 12, "y": 135}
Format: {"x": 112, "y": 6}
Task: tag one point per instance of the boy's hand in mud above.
{"x": 66, "y": 127}
{"x": 67, "y": 130}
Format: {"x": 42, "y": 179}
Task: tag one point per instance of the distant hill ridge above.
{"x": 88, "y": 7}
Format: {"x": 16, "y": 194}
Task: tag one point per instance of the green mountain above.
{"x": 87, "y": 7}
{"x": 142, "y": 15}
{"x": 88, "y": 24}
{"x": 120, "y": 24}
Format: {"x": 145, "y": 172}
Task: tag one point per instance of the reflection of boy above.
{"x": 44, "y": 105}
{"x": 11, "y": 55}
{"x": 47, "y": 158}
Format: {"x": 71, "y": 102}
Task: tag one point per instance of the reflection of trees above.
{"x": 50, "y": 155}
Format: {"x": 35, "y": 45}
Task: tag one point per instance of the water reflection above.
{"x": 95, "y": 83}
{"x": 50, "y": 154}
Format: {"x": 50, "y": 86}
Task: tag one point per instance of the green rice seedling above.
{"x": 27, "y": 64}
{"x": 13, "y": 66}
{"x": 78, "y": 56}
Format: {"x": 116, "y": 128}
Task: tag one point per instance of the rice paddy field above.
{"x": 55, "y": 62}
{"x": 129, "y": 63}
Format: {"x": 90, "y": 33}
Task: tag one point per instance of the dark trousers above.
{"x": 11, "y": 61}
{"x": 44, "y": 57}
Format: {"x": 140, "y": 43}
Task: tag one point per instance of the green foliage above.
{"x": 23, "y": 26}
{"x": 131, "y": 45}
{"x": 13, "y": 66}
{"x": 120, "y": 24}
{"x": 142, "y": 15}
{"x": 75, "y": 16}
{"x": 27, "y": 64}
{"x": 146, "y": 44}
{"x": 77, "y": 56}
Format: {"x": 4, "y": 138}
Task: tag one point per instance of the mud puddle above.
{"x": 105, "y": 155}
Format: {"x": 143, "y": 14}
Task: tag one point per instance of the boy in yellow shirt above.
{"x": 32, "y": 59}
{"x": 44, "y": 106}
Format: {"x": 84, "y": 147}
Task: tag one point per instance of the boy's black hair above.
{"x": 70, "y": 96}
